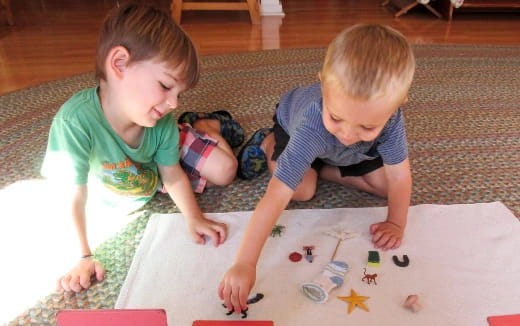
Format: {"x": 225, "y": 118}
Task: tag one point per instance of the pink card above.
{"x": 112, "y": 317}
{"x": 505, "y": 320}
{"x": 232, "y": 323}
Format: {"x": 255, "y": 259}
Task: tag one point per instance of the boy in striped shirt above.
{"x": 348, "y": 129}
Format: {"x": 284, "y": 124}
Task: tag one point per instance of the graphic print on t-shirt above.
{"x": 129, "y": 178}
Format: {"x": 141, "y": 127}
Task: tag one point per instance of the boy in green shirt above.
{"x": 121, "y": 141}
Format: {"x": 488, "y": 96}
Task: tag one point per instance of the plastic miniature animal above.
{"x": 277, "y": 230}
{"x": 369, "y": 277}
{"x": 252, "y": 299}
{"x": 308, "y": 253}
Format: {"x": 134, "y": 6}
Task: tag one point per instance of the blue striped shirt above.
{"x": 300, "y": 115}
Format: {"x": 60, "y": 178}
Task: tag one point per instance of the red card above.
{"x": 505, "y": 320}
{"x": 112, "y": 317}
{"x": 232, "y": 323}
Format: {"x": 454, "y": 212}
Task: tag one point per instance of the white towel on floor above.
{"x": 463, "y": 265}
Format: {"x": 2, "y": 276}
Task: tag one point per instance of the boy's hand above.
{"x": 199, "y": 227}
{"x": 236, "y": 285}
{"x": 386, "y": 235}
{"x": 79, "y": 277}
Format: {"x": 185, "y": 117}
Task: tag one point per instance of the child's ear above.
{"x": 117, "y": 61}
{"x": 319, "y": 75}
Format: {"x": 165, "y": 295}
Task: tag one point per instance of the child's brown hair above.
{"x": 368, "y": 61}
{"x": 147, "y": 33}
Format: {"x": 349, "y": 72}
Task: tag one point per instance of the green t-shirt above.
{"x": 84, "y": 149}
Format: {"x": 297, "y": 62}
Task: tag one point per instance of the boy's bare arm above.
{"x": 78, "y": 201}
{"x": 399, "y": 181}
{"x": 179, "y": 188}
{"x": 389, "y": 234}
{"x": 79, "y": 277}
{"x": 267, "y": 212}
{"x": 240, "y": 278}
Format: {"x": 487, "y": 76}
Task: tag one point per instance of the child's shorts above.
{"x": 195, "y": 147}
{"x": 355, "y": 170}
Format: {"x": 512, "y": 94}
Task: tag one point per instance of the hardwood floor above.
{"x": 53, "y": 39}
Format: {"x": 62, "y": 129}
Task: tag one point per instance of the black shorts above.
{"x": 281, "y": 138}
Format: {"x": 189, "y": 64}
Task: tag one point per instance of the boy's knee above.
{"x": 226, "y": 173}
{"x": 209, "y": 126}
{"x": 382, "y": 194}
{"x": 380, "y": 191}
{"x": 304, "y": 194}
{"x": 376, "y": 184}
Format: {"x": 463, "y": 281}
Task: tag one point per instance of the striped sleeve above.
{"x": 392, "y": 144}
{"x": 307, "y": 142}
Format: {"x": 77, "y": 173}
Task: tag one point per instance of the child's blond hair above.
{"x": 147, "y": 33}
{"x": 369, "y": 61}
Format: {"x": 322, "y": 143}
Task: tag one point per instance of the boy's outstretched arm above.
{"x": 78, "y": 278}
{"x": 179, "y": 188}
{"x": 389, "y": 234}
{"x": 240, "y": 278}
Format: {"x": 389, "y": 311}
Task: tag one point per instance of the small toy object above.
{"x": 295, "y": 256}
{"x": 340, "y": 235}
{"x": 369, "y": 277}
{"x": 277, "y": 230}
{"x": 330, "y": 278}
{"x": 252, "y": 299}
{"x": 243, "y": 312}
{"x": 355, "y": 300}
{"x": 309, "y": 256}
{"x": 405, "y": 262}
{"x": 412, "y": 303}
{"x": 373, "y": 259}
{"x": 255, "y": 298}
{"x": 332, "y": 275}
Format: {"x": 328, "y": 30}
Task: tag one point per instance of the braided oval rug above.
{"x": 462, "y": 119}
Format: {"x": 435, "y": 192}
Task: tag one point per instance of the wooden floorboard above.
{"x": 53, "y": 39}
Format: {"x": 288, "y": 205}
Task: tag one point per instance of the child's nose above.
{"x": 348, "y": 136}
{"x": 172, "y": 101}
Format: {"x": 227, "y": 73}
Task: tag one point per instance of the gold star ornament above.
{"x": 355, "y": 300}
